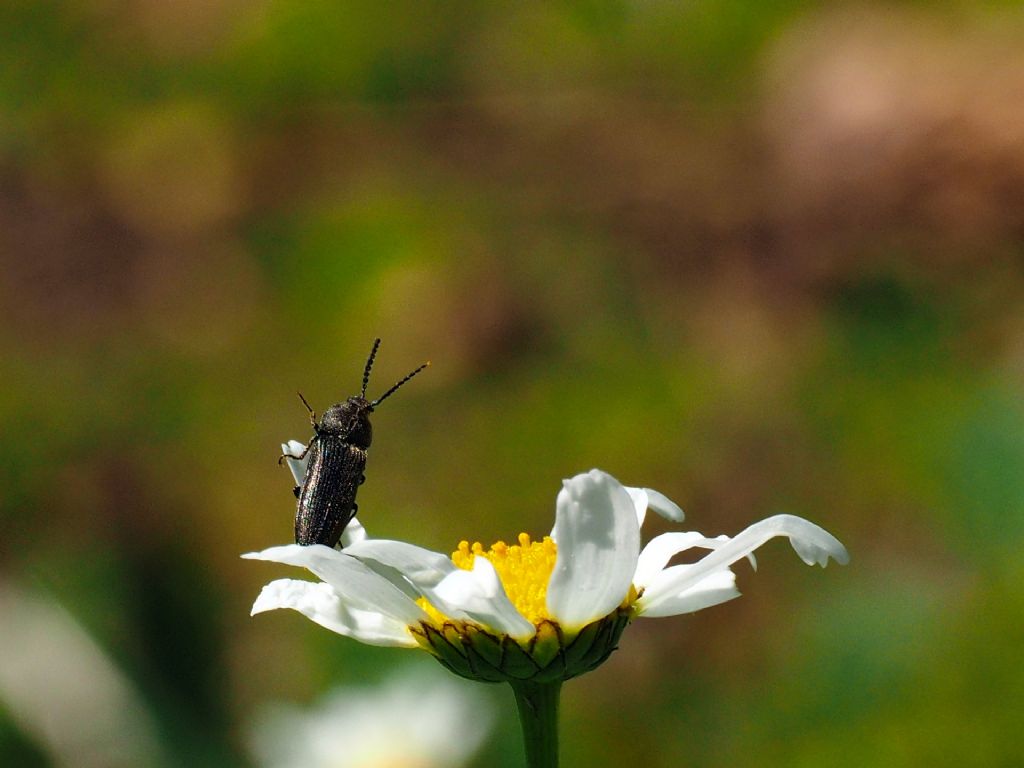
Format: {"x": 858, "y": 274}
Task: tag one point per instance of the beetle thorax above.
{"x": 349, "y": 420}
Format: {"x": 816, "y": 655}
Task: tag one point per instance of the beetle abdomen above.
{"x": 328, "y": 495}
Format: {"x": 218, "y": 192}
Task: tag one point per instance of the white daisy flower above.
{"x": 541, "y": 611}
{"x": 414, "y": 720}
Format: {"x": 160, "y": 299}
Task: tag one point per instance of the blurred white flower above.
{"x": 65, "y": 692}
{"x": 415, "y": 719}
{"x": 540, "y": 610}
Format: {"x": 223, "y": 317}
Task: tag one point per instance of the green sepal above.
{"x": 472, "y": 652}
{"x": 546, "y": 645}
{"x": 606, "y": 644}
{"x": 599, "y": 649}
{"x": 481, "y": 665}
{"x": 483, "y": 670}
{"x": 518, "y": 664}
{"x": 454, "y": 637}
{"x": 444, "y": 649}
{"x": 580, "y": 645}
{"x": 485, "y": 644}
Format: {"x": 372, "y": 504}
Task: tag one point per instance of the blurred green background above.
{"x": 761, "y": 256}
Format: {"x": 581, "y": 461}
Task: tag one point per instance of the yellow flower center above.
{"x": 524, "y": 569}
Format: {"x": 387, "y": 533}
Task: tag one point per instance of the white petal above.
{"x": 353, "y": 533}
{"x": 648, "y": 498}
{"x": 639, "y": 498}
{"x": 422, "y": 567}
{"x": 661, "y": 549}
{"x": 812, "y": 543}
{"x": 357, "y": 585}
{"x": 297, "y": 466}
{"x": 664, "y": 506}
{"x": 598, "y": 544}
{"x": 410, "y": 568}
{"x": 713, "y": 589}
{"x": 478, "y": 595}
{"x": 319, "y": 602}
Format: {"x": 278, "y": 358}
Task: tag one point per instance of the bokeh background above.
{"x": 761, "y": 256}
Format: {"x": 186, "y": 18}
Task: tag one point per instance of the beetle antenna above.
{"x": 312, "y": 413}
{"x": 369, "y": 365}
{"x": 387, "y": 394}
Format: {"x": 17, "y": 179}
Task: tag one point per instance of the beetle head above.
{"x": 350, "y": 421}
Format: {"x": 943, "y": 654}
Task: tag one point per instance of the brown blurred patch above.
{"x": 901, "y": 122}
{"x": 171, "y": 170}
{"x": 174, "y": 28}
{"x": 198, "y": 296}
{"x": 474, "y": 316}
{"x": 63, "y": 258}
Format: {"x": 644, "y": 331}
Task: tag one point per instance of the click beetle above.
{"x": 336, "y": 461}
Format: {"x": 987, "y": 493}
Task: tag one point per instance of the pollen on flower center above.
{"x": 524, "y": 569}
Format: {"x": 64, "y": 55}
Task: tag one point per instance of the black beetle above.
{"x": 337, "y": 458}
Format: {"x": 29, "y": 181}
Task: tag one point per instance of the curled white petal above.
{"x": 659, "y": 550}
{"x": 321, "y": 603}
{"x": 639, "y": 498}
{"x": 358, "y": 585}
{"x": 812, "y": 543}
{"x": 297, "y": 466}
{"x": 648, "y": 498}
{"x": 715, "y": 588}
{"x": 479, "y": 596}
{"x": 598, "y": 544}
{"x": 664, "y": 506}
{"x": 354, "y": 532}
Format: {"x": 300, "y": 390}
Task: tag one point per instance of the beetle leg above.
{"x": 300, "y": 457}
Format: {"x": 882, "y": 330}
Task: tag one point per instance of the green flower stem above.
{"x": 538, "y": 714}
